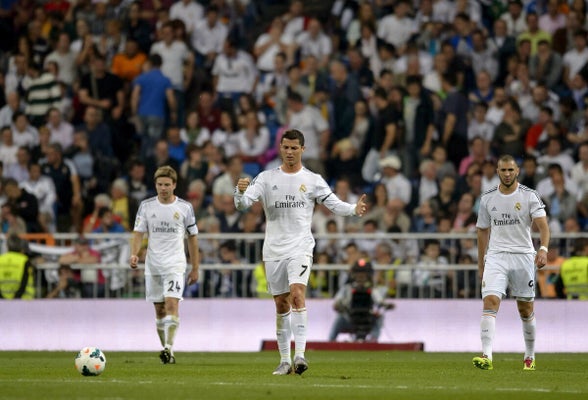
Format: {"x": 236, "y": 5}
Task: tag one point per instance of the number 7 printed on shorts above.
{"x": 304, "y": 268}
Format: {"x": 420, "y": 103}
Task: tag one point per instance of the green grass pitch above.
{"x": 333, "y": 375}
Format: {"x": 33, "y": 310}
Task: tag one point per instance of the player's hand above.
{"x": 242, "y": 184}
{"x": 134, "y": 261}
{"x": 193, "y": 276}
{"x": 541, "y": 259}
{"x": 361, "y": 206}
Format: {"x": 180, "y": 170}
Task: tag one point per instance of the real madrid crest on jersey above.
{"x": 517, "y": 206}
{"x": 302, "y": 188}
{"x": 176, "y": 215}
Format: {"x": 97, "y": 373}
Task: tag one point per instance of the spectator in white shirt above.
{"x": 177, "y": 65}
{"x": 397, "y": 28}
{"x": 314, "y": 41}
{"x": 17, "y": 79}
{"x": 233, "y": 74}
{"x": 23, "y": 133}
{"x": 61, "y": 131}
{"x": 269, "y": 44}
{"x": 20, "y": 169}
{"x": 65, "y": 59}
{"x": 515, "y": 18}
{"x": 575, "y": 59}
{"x": 294, "y": 19}
{"x": 397, "y": 185}
{"x": 309, "y": 120}
{"x": 554, "y": 154}
{"x": 208, "y": 38}
{"x": 12, "y": 105}
{"x": 189, "y": 12}
{"x": 44, "y": 189}
{"x": 7, "y": 148}
{"x": 580, "y": 170}
{"x": 432, "y": 80}
{"x": 254, "y": 139}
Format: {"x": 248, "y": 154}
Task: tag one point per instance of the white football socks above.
{"x": 529, "y": 325}
{"x": 171, "y": 326}
{"x": 487, "y": 330}
{"x": 283, "y": 335}
{"x": 299, "y": 325}
{"x": 160, "y": 324}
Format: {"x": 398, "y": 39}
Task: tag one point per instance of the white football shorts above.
{"x": 283, "y": 273}
{"x": 158, "y": 287}
{"x": 509, "y": 270}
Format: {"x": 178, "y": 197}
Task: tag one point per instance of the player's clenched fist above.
{"x": 242, "y": 184}
{"x": 134, "y": 261}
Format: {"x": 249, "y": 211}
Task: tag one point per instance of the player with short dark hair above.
{"x": 507, "y": 257}
{"x": 289, "y": 194}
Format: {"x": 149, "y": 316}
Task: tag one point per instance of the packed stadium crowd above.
{"x": 410, "y": 101}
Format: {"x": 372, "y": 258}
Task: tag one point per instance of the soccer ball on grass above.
{"x": 90, "y": 361}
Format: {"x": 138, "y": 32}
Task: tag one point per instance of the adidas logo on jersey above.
{"x": 275, "y": 187}
{"x": 494, "y": 209}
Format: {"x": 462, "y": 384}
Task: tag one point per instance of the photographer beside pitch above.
{"x": 289, "y": 194}
{"x": 360, "y": 305}
{"x": 166, "y": 218}
{"x": 506, "y": 256}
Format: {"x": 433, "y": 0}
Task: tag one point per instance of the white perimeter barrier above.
{"x": 241, "y": 325}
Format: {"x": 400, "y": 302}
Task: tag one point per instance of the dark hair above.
{"x": 294, "y": 96}
{"x": 103, "y": 211}
{"x": 14, "y": 243}
{"x": 482, "y": 104}
{"x": 155, "y": 60}
{"x": 381, "y": 93}
{"x": 429, "y": 242}
{"x": 450, "y": 77}
{"x": 413, "y": 80}
{"x": 293, "y": 134}
{"x": 229, "y": 245}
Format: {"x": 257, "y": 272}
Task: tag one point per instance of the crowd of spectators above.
{"x": 410, "y": 101}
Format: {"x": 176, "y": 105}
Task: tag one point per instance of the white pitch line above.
{"x": 85, "y": 379}
{"x": 400, "y": 387}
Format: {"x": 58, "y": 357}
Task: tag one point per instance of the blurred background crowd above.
{"x": 409, "y": 101}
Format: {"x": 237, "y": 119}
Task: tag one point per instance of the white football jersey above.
{"x": 166, "y": 225}
{"x": 288, "y": 201}
{"x": 509, "y": 217}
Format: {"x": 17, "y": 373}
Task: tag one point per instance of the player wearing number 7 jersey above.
{"x": 166, "y": 219}
{"x": 289, "y": 194}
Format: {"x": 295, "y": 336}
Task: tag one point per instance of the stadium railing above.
{"x": 449, "y": 280}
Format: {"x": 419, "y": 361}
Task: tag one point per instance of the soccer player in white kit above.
{"x": 506, "y": 256}
{"x": 289, "y": 194}
{"x": 166, "y": 219}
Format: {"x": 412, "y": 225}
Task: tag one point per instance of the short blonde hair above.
{"x": 166, "y": 171}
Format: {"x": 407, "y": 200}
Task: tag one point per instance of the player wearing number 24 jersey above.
{"x": 166, "y": 219}
{"x": 288, "y": 194}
